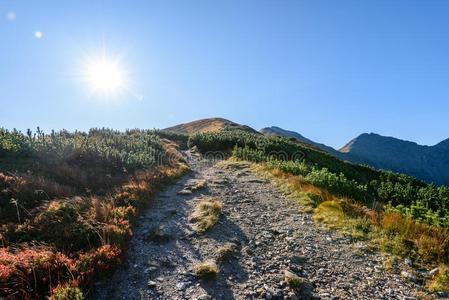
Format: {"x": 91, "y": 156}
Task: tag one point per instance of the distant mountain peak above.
{"x": 208, "y": 125}
{"x": 370, "y": 139}
{"x": 429, "y": 163}
{"x": 443, "y": 144}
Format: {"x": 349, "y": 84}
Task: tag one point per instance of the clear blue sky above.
{"x": 327, "y": 69}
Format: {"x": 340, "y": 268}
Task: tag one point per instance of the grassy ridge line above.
{"x": 389, "y": 232}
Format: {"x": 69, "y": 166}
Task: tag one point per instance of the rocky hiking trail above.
{"x": 272, "y": 238}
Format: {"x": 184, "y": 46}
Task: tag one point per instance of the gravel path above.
{"x": 272, "y": 235}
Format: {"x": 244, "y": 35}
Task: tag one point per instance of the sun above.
{"x": 105, "y": 76}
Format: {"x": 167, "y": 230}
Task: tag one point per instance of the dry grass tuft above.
{"x": 199, "y": 184}
{"x": 330, "y": 213}
{"x": 440, "y": 283}
{"x": 193, "y": 186}
{"x": 293, "y": 280}
{"x": 206, "y": 214}
{"x": 173, "y": 154}
{"x": 391, "y": 264}
{"x": 206, "y": 270}
{"x": 226, "y": 252}
{"x": 428, "y": 243}
{"x": 102, "y": 210}
{"x": 299, "y": 189}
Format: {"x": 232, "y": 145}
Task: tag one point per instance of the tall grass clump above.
{"x": 206, "y": 214}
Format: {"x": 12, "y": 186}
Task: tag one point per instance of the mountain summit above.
{"x": 430, "y": 163}
{"x": 443, "y": 145}
{"x": 208, "y": 125}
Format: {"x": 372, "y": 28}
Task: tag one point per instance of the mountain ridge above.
{"x": 428, "y": 163}
{"x": 275, "y": 130}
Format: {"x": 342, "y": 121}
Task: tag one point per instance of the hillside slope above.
{"x": 430, "y": 163}
{"x": 274, "y": 130}
{"x": 208, "y": 125}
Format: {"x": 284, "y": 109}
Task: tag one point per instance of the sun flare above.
{"x": 105, "y": 76}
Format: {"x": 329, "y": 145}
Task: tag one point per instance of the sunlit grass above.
{"x": 206, "y": 270}
{"x": 206, "y": 214}
{"x": 226, "y": 252}
{"x": 441, "y": 280}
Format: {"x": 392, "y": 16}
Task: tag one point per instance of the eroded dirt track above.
{"x": 272, "y": 235}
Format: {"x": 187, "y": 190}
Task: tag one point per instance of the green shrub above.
{"x": 115, "y": 150}
{"x": 179, "y": 138}
{"x": 337, "y": 184}
{"x": 299, "y": 168}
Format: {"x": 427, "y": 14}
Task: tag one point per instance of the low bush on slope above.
{"x": 68, "y": 202}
